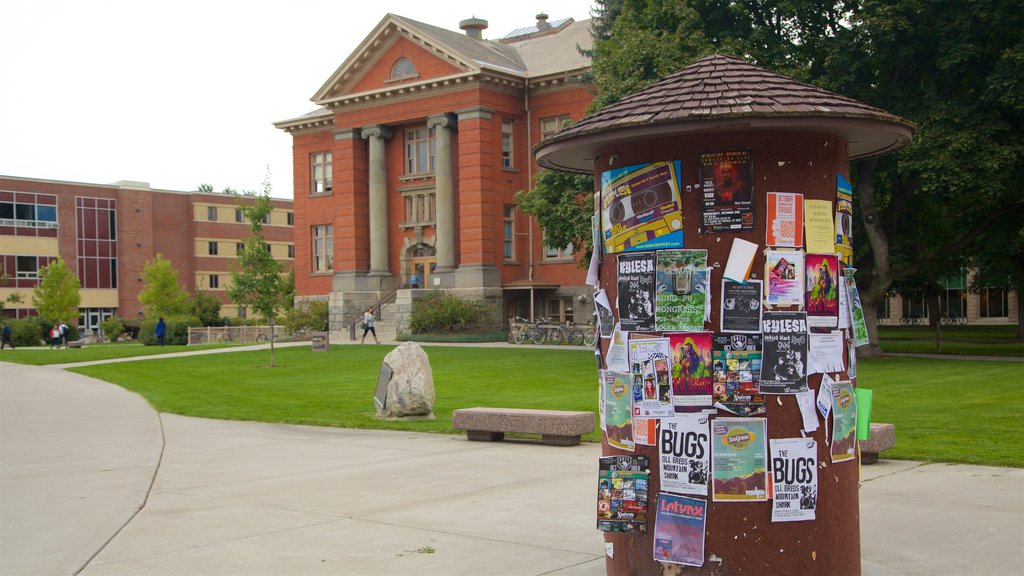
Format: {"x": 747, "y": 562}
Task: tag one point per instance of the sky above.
{"x": 183, "y": 93}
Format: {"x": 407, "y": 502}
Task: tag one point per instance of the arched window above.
{"x": 422, "y": 251}
{"x": 402, "y": 68}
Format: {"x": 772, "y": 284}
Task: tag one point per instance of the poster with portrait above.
{"x": 821, "y": 291}
{"x": 618, "y": 409}
{"x": 794, "y": 479}
{"x": 844, "y": 422}
{"x": 679, "y": 530}
{"x": 651, "y": 370}
{"x": 737, "y": 374}
{"x": 785, "y": 220}
{"x": 844, "y": 220}
{"x": 727, "y": 190}
{"x": 784, "y": 356}
{"x": 691, "y": 370}
{"x": 622, "y": 484}
{"x": 784, "y": 279}
{"x": 684, "y": 452}
{"x": 681, "y": 289}
{"x": 641, "y": 207}
{"x": 738, "y": 459}
{"x": 741, "y": 306}
{"x": 636, "y": 291}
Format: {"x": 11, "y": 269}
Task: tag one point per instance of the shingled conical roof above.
{"x": 721, "y": 93}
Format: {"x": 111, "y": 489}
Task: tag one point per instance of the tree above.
{"x": 57, "y": 297}
{"x": 205, "y": 187}
{"x": 13, "y": 297}
{"x": 260, "y": 284}
{"x": 161, "y": 295}
{"x": 562, "y": 203}
{"x": 206, "y": 307}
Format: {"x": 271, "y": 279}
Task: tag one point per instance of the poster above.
{"x": 784, "y": 278}
{"x": 618, "y": 409}
{"x": 785, "y": 220}
{"x": 860, "y": 328}
{"x": 603, "y": 311}
{"x": 617, "y": 357}
{"x": 681, "y": 288}
{"x": 641, "y": 207}
{"x": 636, "y": 291}
{"x": 821, "y": 292}
{"x": 794, "y": 479}
{"x": 825, "y": 352}
{"x": 622, "y": 494}
{"x": 844, "y": 422}
{"x": 738, "y": 469}
{"x": 679, "y": 530}
{"x": 684, "y": 451}
{"x": 819, "y": 226}
{"x": 737, "y": 374}
{"x": 651, "y": 370}
{"x": 844, "y": 220}
{"x": 691, "y": 370}
{"x": 645, "y": 431}
{"x": 784, "y": 360}
{"x": 727, "y": 185}
{"x": 741, "y": 306}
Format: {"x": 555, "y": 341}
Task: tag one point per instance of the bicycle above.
{"x": 590, "y": 335}
{"x": 910, "y": 321}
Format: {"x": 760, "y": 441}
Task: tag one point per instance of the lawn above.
{"x": 88, "y": 353}
{"x": 991, "y": 340}
{"x": 944, "y": 410}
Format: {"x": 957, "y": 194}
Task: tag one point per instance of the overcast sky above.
{"x": 182, "y": 93}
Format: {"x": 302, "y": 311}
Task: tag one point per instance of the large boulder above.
{"x": 410, "y": 390}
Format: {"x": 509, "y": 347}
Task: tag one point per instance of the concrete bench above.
{"x": 881, "y": 438}
{"x": 74, "y": 344}
{"x": 556, "y": 427}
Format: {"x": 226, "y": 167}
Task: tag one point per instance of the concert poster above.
{"x": 635, "y": 298}
{"x": 794, "y": 478}
{"x": 681, "y": 290}
{"x": 784, "y": 356}
{"x": 784, "y": 279}
{"x": 622, "y": 486}
{"x": 641, "y": 207}
{"x": 727, "y": 190}
{"x": 679, "y": 530}
{"x": 844, "y": 422}
{"x": 821, "y": 291}
{"x": 741, "y": 306}
{"x": 691, "y": 370}
{"x": 738, "y": 459}
{"x": 737, "y": 374}
{"x": 844, "y": 220}
{"x": 684, "y": 451}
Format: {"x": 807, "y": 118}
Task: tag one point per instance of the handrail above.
{"x": 385, "y": 299}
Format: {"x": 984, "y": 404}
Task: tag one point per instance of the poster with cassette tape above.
{"x": 641, "y": 207}
{"x": 727, "y": 185}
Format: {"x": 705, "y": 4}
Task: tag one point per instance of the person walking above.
{"x": 54, "y": 337}
{"x": 414, "y": 280}
{"x": 369, "y": 325}
{"x": 6, "y": 341}
{"x": 63, "y": 334}
{"x": 160, "y": 331}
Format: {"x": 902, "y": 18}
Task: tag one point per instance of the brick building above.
{"x": 410, "y": 165}
{"x": 106, "y": 233}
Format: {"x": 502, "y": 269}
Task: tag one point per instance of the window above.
{"x": 214, "y": 281}
{"x": 506, "y": 143}
{"x": 419, "y": 151}
{"x": 239, "y": 248}
{"x": 239, "y": 215}
{"x": 321, "y": 179}
{"x": 28, "y": 267}
{"x": 509, "y": 213}
{"x": 558, "y": 309}
{"x": 915, "y": 306}
{"x": 266, "y": 218}
{"x": 993, "y": 303}
{"x": 884, "y": 309}
{"x": 211, "y": 213}
{"x": 553, "y": 125}
{"x": 402, "y": 68}
{"x": 291, "y": 251}
{"x": 419, "y": 207}
{"x": 270, "y": 249}
{"x": 96, "y": 237}
{"x": 30, "y": 211}
{"x": 556, "y": 253}
{"x": 323, "y": 248}
{"x": 953, "y": 298}
{"x": 211, "y": 248}
{"x": 291, "y": 218}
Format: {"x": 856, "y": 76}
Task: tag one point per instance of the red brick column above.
{"x": 352, "y": 218}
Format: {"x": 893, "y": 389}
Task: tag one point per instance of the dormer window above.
{"x": 402, "y": 68}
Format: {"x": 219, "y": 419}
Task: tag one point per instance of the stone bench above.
{"x": 75, "y": 344}
{"x": 881, "y": 438}
{"x": 556, "y": 427}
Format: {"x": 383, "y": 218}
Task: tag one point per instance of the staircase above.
{"x": 386, "y": 328}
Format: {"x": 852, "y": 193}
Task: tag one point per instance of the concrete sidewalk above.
{"x": 254, "y": 498}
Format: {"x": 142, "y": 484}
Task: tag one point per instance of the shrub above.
{"x": 112, "y": 328}
{"x": 307, "y": 316}
{"x": 31, "y": 331}
{"x": 177, "y": 330}
{"x": 131, "y": 327}
{"x": 443, "y": 312}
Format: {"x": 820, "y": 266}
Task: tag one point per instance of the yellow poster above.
{"x": 819, "y": 227}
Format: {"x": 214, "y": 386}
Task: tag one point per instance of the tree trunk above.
{"x": 271, "y": 341}
{"x": 935, "y": 319}
{"x": 1020, "y": 313}
{"x": 874, "y": 348}
{"x": 877, "y": 285}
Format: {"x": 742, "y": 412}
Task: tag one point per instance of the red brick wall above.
{"x": 427, "y": 66}
{"x": 310, "y": 211}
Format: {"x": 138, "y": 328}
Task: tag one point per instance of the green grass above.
{"x": 994, "y": 340}
{"x": 88, "y": 353}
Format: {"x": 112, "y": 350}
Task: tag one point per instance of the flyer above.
{"x": 819, "y": 226}
{"x": 741, "y": 260}
{"x": 860, "y": 329}
{"x": 617, "y": 357}
{"x": 738, "y": 452}
{"x": 794, "y": 479}
{"x": 681, "y": 288}
{"x": 636, "y": 291}
{"x": 737, "y": 373}
{"x": 651, "y": 369}
{"x": 844, "y": 220}
{"x": 784, "y": 362}
{"x": 785, "y": 224}
{"x": 691, "y": 370}
{"x": 603, "y": 311}
{"x": 741, "y": 306}
{"x": 821, "y": 293}
{"x": 825, "y": 352}
{"x": 645, "y": 431}
{"x": 844, "y": 305}
{"x": 684, "y": 451}
{"x": 679, "y": 530}
{"x": 844, "y": 422}
{"x": 727, "y": 184}
{"x": 622, "y": 493}
{"x": 641, "y": 207}
{"x": 784, "y": 278}
{"x": 618, "y": 409}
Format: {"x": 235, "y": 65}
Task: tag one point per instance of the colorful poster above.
{"x": 622, "y": 493}
{"x": 641, "y": 207}
{"x": 636, "y": 291}
{"x": 727, "y": 184}
{"x": 844, "y": 220}
{"x": 860, "y": 328}
{"x": 651, "y": 369}
{"x": 738, "y": 469}
{"x": 821, "y": 292}
{"x": 784, "y": 274}
{"x": 784, "y": 362}
{"x": 785, "y": 224}
{"x": 737, "y": 373}
{"x": 691, "y": 370}
{"x": 679, "y": 530}
{"x": 645, "y": 431}
{"x": 844, "y": 422}
{"x": 741, "y": 306}
{"x": 618, "y": 409}
{"x": 684, "y": 450}
{"x": 818, "y": 226}
{"x": 794, "y": 479}
{"x": 681, "y": 289}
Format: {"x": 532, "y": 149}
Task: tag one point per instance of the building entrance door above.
{"x": 424, "y": 268}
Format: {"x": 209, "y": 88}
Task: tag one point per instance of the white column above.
{"x": 377, "y": 176}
